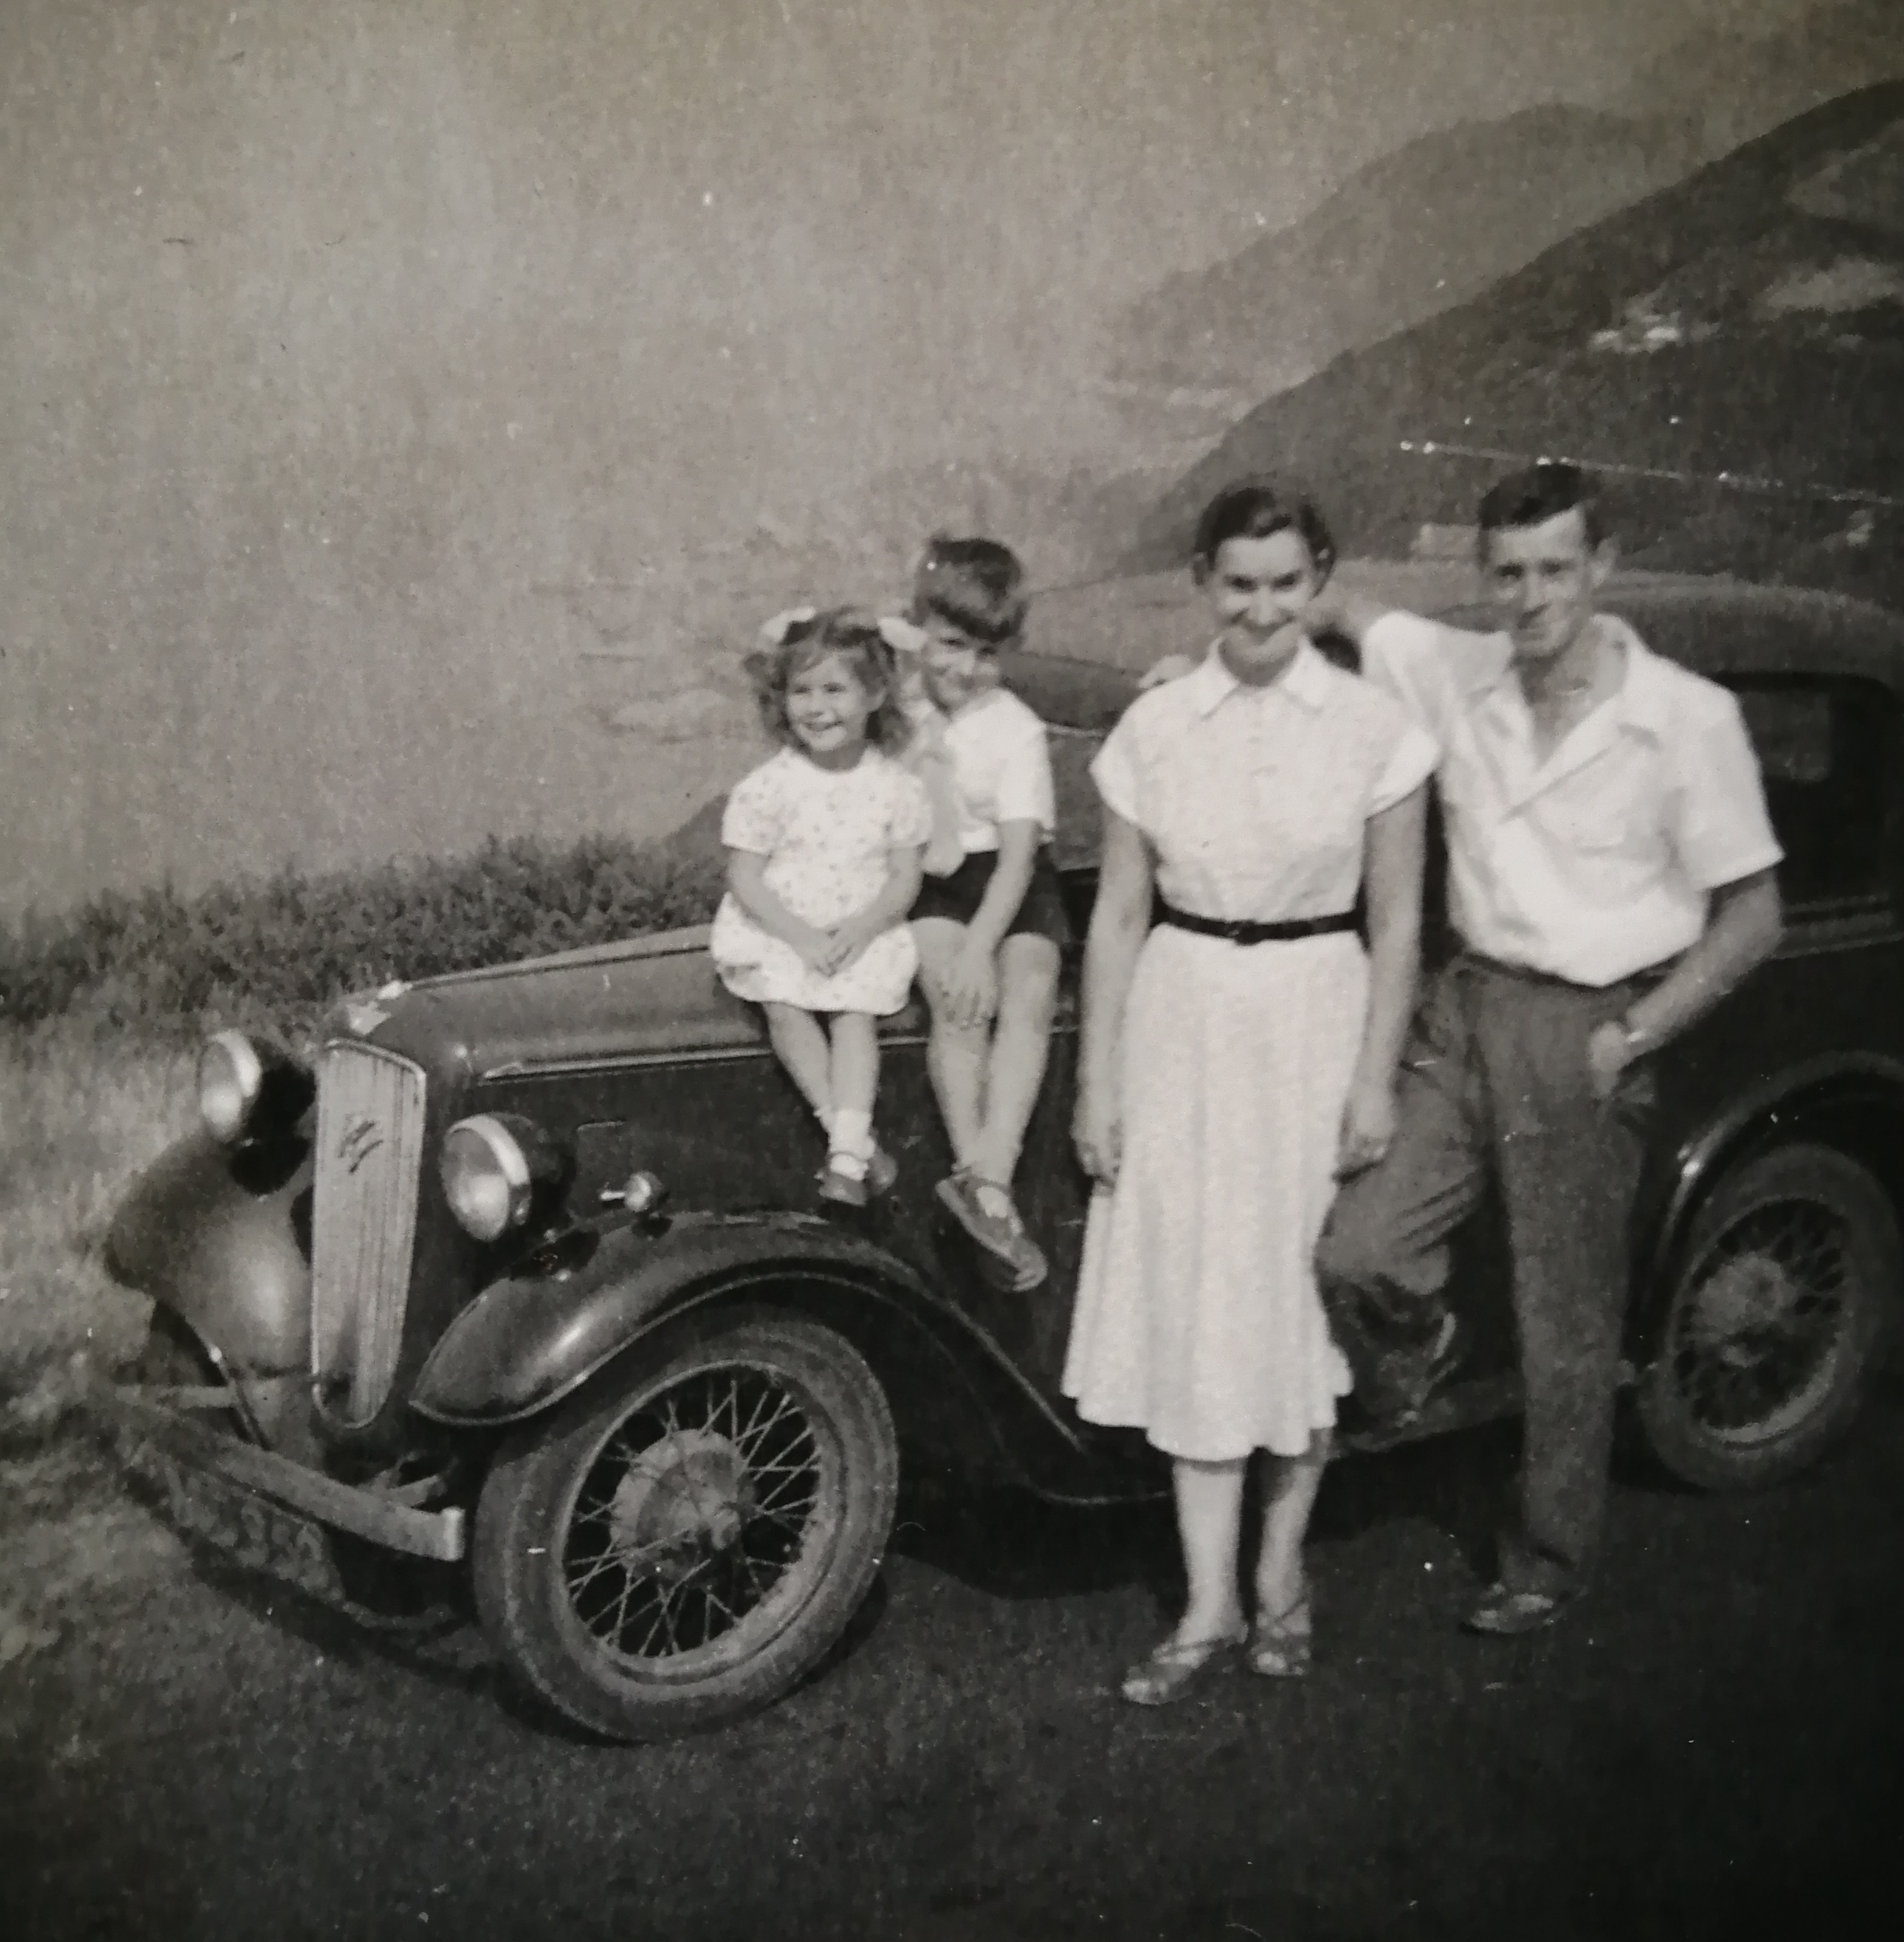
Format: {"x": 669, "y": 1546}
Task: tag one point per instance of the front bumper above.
{"x": 140, "y": 1424}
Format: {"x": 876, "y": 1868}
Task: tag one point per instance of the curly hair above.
{"x": 855, "y": 636}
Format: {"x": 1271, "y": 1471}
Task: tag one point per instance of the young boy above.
{"x": 989, "y": 920}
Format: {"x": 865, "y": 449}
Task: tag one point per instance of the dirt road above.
{"x": 1714, "y": 1746}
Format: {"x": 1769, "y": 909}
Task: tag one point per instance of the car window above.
{"x": 1825, "y": 748}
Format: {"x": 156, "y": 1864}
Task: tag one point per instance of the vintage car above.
{"x": 528, "y": 1276}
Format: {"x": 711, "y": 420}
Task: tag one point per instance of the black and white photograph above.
{"x": 951, "y": 970}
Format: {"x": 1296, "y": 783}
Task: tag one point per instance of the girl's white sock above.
{"x": 851, "y": 1134}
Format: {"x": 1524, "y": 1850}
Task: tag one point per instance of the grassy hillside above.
{"x": 283, "y": 948}
{"x": 1742, "y": 321}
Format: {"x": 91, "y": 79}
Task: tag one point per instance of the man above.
{"x": 1611, "y": 877}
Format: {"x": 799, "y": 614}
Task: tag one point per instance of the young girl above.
{"x": 989, "y": 921}
{"x": 824, "y": 846}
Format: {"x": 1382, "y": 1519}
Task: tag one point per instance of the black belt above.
{"x": 1235, "y": 931}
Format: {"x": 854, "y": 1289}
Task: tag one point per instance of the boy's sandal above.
{"x": 1001, "y": 1237}
{"x": 1177, "y": 1665}
{"x": 1505, "y": 1614}
{"x": 1282, "y": 1647}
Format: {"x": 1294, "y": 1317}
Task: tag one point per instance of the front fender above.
{"x": 1853, "y": 1101}
{"x": 526, "y": 1342}
{"x": 221, "y": 1236}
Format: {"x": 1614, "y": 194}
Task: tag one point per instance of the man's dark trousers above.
{"x": 1495, "y": 1075}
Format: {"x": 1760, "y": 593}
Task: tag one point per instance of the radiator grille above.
{"x": 363, "y": 1224}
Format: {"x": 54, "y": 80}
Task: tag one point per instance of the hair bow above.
{"x": 774, "y": 632}
{"x": 901, "y": 636}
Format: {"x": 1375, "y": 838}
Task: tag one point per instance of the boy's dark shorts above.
{"x": 958, "y": 896}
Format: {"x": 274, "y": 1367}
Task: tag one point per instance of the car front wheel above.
{"x": 1773, "y": 1322}
{"x": 674, "y": 1546}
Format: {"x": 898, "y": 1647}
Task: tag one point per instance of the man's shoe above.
{"x": 1505, "y": 1614}
{"x": 1011, "y": 1257}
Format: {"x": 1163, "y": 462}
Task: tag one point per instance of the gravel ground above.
{"x": 1711, "y": 1747}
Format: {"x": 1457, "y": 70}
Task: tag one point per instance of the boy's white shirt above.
{"x": 1002, "y": 764}
{"x": 995, "y": 748}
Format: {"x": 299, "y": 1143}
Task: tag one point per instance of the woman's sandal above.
{"x": 1279, "y": 1649}
{"x": 1177, "y": 1665}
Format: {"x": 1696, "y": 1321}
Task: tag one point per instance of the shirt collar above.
{"x": 1305, "y": 682}
{"x": 1644, "y": 701}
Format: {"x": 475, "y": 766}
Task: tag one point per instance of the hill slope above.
{"x": 1750, "y": 319}
{"x": 1739, "y": 84}
{"x": 1412, "y": 234}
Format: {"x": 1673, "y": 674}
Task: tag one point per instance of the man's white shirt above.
{"x": 1597, "y": 863}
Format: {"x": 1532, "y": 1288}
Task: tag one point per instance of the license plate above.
{"x": 261, "y": 1535}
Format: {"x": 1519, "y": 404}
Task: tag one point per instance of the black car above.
{"x": 527, "y": 1276}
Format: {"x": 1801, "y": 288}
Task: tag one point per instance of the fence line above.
{"x": 1735, "y": 481}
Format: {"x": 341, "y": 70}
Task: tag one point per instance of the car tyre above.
{"x": 676, "y": 1544}
{"x": 1774, "y": 1320}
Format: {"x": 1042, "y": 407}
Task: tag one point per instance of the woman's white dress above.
{"x": 828, "y": 836}
{"x": 1197, "y": 1319}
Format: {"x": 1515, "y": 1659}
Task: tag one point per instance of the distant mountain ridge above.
{"x": 1737, "y": 86}
{"x": 1414, "y": 233}
{"x": 1722, "y": 324}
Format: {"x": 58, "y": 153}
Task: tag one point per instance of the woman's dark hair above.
{"x": 976, "y": 585}
{"x": 1253, "y": 509}
{"x": 1539, "y": 493}
{"x": 855, "y": 636}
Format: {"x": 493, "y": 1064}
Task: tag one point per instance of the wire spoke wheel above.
{"x": 1752, "y": 1344}
{"x": 1772, "y": 1324}
{"x": 681, "y": 1540}
{"x": 698, "y": 1519}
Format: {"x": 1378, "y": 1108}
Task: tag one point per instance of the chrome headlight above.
{"x": 231, "y": 1079}
{"x": 491, "y": 1165}
{"x": 249, "y": 1087}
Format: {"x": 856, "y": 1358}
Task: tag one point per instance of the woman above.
{"x": 1237, "y": 1059}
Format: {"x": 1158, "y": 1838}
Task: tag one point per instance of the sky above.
{"x": 341, "y": 344}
